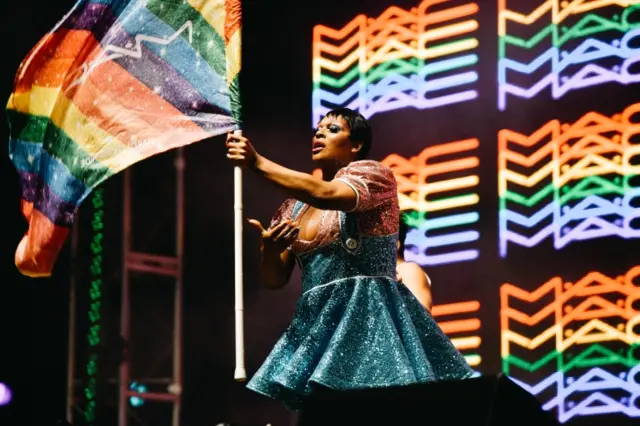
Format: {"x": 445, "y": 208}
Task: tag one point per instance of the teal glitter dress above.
{"x": 354, "y": 326}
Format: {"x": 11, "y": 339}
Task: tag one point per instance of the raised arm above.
{"x": 333, "y": 195}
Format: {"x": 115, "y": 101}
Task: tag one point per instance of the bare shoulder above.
{"x": 413, "y": 271}
{"x": 409, "y": 266}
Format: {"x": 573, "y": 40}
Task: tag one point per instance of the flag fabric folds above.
{"x": 115, "y": 82}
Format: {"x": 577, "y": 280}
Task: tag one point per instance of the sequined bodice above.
{"x": 361, "y": 243}
{"x": 339, "y": 252}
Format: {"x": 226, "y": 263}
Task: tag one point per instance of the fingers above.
{"x": 236, "y": 140}
{"x": 292, "y": 234}
{"x": 273, "y": 232}
{"x": 284, "y": 233}
{"x": 240, "y": 151}
{"x": 237, "y": 144}
{"x": 257, "y": 224}
{"x": 236, "y": 153}
{"x": 237, "y": 147}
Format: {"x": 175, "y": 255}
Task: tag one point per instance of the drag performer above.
{"x": 354, "y": 327}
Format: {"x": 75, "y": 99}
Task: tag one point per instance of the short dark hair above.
{"x": 402, "y": 233}
{"x": 359, "y": 128}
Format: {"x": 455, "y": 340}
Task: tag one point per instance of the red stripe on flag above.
{"x": 37, "y": 252}
{"x": 49, "y": 63}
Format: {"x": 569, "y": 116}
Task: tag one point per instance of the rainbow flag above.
{"x": 115, "y": 82}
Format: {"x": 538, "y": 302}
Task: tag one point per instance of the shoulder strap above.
{"x": 296, "y": 209}
{"x": 349, "y": 232}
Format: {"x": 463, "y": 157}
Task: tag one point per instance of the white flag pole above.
{"x": 240, "y": 374}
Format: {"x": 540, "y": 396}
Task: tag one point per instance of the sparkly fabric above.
{"x": 354, "y": 325}
{"x": 112, "y": 84}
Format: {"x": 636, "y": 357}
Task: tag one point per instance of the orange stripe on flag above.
{"x": 103, "y": 108}
{"x": 233, "y": 18}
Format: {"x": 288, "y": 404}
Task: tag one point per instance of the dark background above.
{"x": 276, "y": 88}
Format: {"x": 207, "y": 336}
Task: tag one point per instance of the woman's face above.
{"x": 331, "y": 141}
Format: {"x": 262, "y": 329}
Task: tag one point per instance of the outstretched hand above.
{"x": 278, "y": 237}
{"x": 240, "y": 151}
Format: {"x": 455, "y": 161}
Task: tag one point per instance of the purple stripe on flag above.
{"x": 167, "y": 82}
{"x": 95, "y": 17}
{"x": 59, "y": 212}
{"x": 29, "y": 186}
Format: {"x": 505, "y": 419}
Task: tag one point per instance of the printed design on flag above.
{"x": 115, "y": 82}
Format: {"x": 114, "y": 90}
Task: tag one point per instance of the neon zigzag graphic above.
{"x": 458, "y": 328}
{"x": 581, "y": 176}
{"x": 376, "y": 65}
{"x": 559, "y": 56}
{"x": 437, "y": 198}
{"x": 592, "y": 325}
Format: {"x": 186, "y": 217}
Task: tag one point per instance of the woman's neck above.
{"x": 328, "y": 173}
{"x": 330, "y": 169}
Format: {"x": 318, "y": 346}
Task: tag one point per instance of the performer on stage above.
{"x": 354, "y": 327}
{"x": 411, "y": 274}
